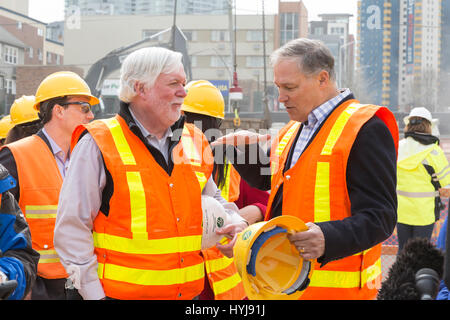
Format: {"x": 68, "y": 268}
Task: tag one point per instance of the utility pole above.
{"x": 267, "y": 117}
{"x": 235, "y": 93}
{"x": 174, "y": 23}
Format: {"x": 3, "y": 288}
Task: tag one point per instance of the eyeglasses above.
{"x": 85, "y": 106}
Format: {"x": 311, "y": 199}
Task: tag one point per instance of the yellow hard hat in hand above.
{"x": 270, "y": 266}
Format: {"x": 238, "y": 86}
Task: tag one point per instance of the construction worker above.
{"x": 204, "y": 107}
{"x": 18, "y": 260}
{"x": 423, "y": 172}
{"x": 129, "y": 224}
{"x": 39, "y": 163}
{"x": 25, "y": 119}
{"x": 5, "y": 126}
{"x": 333, "y": 166}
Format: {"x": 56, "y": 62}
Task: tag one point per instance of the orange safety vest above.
{"x": 40, "y": 182}
{"x": 230, "y": 190}
{"x": 149, "y": 244}
{"x": 315, "y": 190}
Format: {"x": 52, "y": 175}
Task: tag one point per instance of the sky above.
{"x": 53, "y": 10}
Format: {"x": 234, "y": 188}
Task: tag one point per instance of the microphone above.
{"x": 415, "y": 274}
{"x": 427, "y": 283}
{"x": 7, "y": 288}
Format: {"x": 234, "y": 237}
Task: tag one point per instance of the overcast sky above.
{"x": 53, "y": 10}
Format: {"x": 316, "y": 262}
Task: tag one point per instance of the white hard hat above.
{"x": 214, "y": 216}
{"x": 419, "y": 112}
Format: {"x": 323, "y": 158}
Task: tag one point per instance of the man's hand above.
{"x": 230, "y": 231}
{"x": 310, "y": 243}
{"x": 240, "y": 138}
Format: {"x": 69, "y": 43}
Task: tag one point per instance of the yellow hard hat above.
{"x": 61, "y": 84}
{"x": 23, "y": 111}
{"x": 204, "y": 98}
{"x": 270, "y": 266}
{"x": 5, "y": 125}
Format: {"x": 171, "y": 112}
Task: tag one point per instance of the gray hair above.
{"x": 312, "y": 56}
{"x": 144, "y": 66}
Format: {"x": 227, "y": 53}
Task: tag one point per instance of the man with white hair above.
{"x": 129, "y": 222}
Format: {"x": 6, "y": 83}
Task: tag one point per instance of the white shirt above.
{"x": 61, "y": 160}
{"x": 79, "y": 203}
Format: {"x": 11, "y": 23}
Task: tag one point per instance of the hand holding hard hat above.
{"x": 270, "y": 265}
{"x": 310, "y": 243}
{"x": 218, "y": 226}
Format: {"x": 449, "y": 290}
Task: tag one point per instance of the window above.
{"x": 49, "y": 57}
{"x": 220, "y": 61}
{"x": 255, "y": 35}
{"x": 30, "y": 52}
{"x": 255, "y": 62}
{"x": 40, "y": 32}
{"x": 19, "y": 25}
{"x": 39, "y": 54}
{"x": 10, "y": 86}
{"x": 288, "y": 27}
{"x": 58, "y": 59}
{"x": 11, "y": 55}
{"x": 193, "y": 61}
{"x": 220, "y": 35}
{"x": 190, "y": 35}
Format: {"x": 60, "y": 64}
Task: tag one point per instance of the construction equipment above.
{"x": 104, "y": 67}
{"x": 270, "y": 266}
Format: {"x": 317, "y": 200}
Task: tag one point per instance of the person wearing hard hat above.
{"x": 5, "y": 126}
{"x": 129, "y": 223}
{"x": 39, "y": 164}
{"x": 204, "y": 106}
{"x": 25, "y": 119}
{"x": 423, "y": 173}
{"x": 334, "y": 167}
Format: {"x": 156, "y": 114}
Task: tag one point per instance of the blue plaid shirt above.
{"x": 315, "y": 119}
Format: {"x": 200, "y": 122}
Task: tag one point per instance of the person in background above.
{"x": 5, "y": 126}
{"x": 39, "y": 163}
{"x": 25, "y": 119}
{"x": 129, "y": 224}
{"x": 18, "y": 260}
{"x": 204, "y": 107}
{"x": 423, "y": 175}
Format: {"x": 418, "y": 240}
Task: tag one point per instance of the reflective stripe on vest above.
{"x": 40, "y": 182}
{"x": 344, "y": 278}
{"x": 223, "y": 276}
{"x": 136, "y": 258}
{"x": 41, "y": 212}
{"x": 275, "y": 165}
{"x": 231, "y": 189}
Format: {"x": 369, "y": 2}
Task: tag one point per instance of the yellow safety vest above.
{"x": 415, "y": 193}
